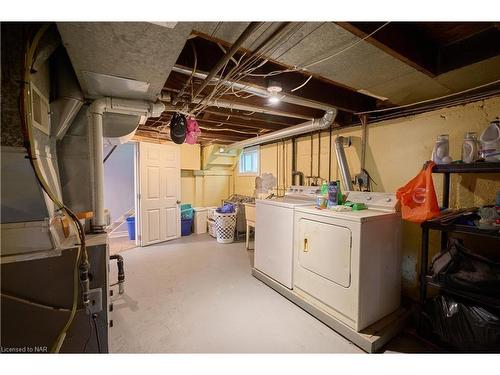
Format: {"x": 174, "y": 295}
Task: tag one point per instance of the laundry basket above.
{"x": 225, "y": 226}
{"x": 211, "y": 228}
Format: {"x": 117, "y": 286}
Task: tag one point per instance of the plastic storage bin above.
{"x": 186, "y": 219}
{"x": 186, "y": 211}
{"x": 200, "y": 220}
{"x": 186, "y": 225}
{"x": 131, "y": 227}
{"x": 225, "y": 226}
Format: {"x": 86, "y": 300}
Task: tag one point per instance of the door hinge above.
{"x": 138, "y": 196}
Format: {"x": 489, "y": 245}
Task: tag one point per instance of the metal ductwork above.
{"x": 68, "y": 95}
{"x": 95, "y": 115}
{"x": 306, "y": 127}
{"x": 255, "y": 90}
{"x": 340, "y": 143}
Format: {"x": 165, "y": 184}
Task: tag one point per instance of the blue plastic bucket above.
{"x": 131, "y": 227}
{"x": 186, "y": 226}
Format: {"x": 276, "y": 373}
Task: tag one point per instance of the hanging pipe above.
{"x": 234, "y": 48}
{"x": 341, "y": 159}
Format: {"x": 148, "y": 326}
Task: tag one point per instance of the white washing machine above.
{"x": 348, "y": 264}
{"x": 274, "y": 232}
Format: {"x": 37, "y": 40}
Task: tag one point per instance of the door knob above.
{"x": 178, "y": 202}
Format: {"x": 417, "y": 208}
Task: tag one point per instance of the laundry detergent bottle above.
{"x": 490, "y": 142}
{"x": 440, "y": 154}
{"x": 470, "y": 148}
{"x": 332, "y": 194}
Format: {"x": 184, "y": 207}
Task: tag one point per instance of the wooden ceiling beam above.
{"x": 478, "y": 47}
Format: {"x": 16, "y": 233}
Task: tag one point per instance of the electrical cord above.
{"x": 304, "y": 67}
{"x": 238, "y": 70}
{"x": 90, "y": 334}
{"x": 343, "y": 49}
{"x": 94, "y": 319}
{"x": 428, "y": 100}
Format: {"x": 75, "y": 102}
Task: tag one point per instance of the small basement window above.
{"x": 249, "y": 161}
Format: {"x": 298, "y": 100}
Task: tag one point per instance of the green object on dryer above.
{"x": 324, "y": 188}
{"x": 359, "y": 206}
{"x": 355, "y": 206}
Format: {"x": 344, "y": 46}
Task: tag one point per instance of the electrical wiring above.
{"x": 239, "y": 71}
{"x": 94, "y": 320}
{"x": 430, "y": 107}
{"x": 299, "y": 87}
{"x": 228, "y": 130}
{"x": 305, "y": 67}
{"x": 344, "y": 49}
{"x": 188, "y": 82}
{"x": 256, "y": 56}
{"x": 429, "y": 100}
{"x": 300, "y": 40}
{"x": 34, "y": 303}
{"x": 90, "y": 334}
{"x": 25, "y": 110}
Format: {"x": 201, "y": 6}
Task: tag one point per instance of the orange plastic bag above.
{"x": 418, "y": 197}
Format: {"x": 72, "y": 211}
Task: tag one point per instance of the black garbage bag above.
{"x": 461, "y": 269}
{"x": 464, "y": 326}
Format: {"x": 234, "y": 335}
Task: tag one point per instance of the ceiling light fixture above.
{"x": 274, "y": 88}
{"x": 222, "y": 150}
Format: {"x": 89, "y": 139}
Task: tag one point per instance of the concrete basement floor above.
{"x": 194, "y": 295}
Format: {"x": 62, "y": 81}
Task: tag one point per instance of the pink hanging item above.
{"x": 193, "y": 131}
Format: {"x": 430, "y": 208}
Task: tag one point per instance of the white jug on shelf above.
{"x": 490, "y": 142}
{"x": 470, "y": 148}
{"x": 441, "y": 151}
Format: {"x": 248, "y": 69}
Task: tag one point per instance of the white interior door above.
{"x": 159, "y": 192}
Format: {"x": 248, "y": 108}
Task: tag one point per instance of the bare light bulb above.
{"x": 273, "y": 99}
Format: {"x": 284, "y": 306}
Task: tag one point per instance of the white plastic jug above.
{"x": 490, "y": 142}
{"x": 440, "y": 154}
{"x": 470, "y": 148}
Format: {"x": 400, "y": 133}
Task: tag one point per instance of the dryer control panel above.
{"x": 375, "y": 200}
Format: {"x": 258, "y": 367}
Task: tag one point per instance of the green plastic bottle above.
{"x": 324, "y": 188}
{"x": 339, "y": 194}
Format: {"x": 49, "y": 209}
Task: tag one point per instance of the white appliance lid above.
{"x": 357, "y": 216}
{"x": 375, "y": 200}
{"x": 285, "y": 202}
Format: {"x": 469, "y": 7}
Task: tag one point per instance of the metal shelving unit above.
{"x": 425, "y": 279}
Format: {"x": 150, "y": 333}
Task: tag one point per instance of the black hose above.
{"x": 121, "y": 270}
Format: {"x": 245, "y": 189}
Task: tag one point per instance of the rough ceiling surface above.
{"x": 140, "y": 51}
{"x": 354, "y": 67}
{"x": 363, "y": 67}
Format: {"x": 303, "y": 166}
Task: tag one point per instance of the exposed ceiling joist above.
{"x": 433, "y": 48}
{"x": 399, "y": 41}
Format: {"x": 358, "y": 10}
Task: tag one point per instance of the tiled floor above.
{"x": 195, "y": 295}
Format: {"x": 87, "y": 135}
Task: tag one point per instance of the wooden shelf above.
{"x": 468, "y": 229}
{"x": 481, "y": 299}
{"x": 480, "y": 167}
